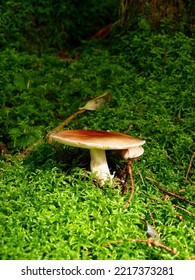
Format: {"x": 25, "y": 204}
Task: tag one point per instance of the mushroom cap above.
{"x": 92, "y": 139}
{"x": 134, "y": 152}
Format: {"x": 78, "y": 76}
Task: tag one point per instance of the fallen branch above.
{"x": 129, "y": 168}
{"x": 189, "y": 166}
{"x": 56, "y": 129}
{"x": 91, "y": 105}
{"x": 170, "y": 193}
{"x": 27, "y": 150}
{"x": 148, "y": 241}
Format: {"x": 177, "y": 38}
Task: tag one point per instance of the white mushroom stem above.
{"x": 99, "y": 165}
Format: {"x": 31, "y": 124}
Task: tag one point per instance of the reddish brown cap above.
{"x": 92, "y": 139}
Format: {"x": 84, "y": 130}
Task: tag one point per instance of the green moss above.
{"x": 50, "y": 207}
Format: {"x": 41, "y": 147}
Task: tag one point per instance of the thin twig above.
{"x": 179, "y": 217}
{"x": 129, "y": 168}
{"x": 141, "y": 177}
{"x": 27, "y": 150}
{"x": 148, "y": 241}
{"x": 54, "y": 130}
{"x": 189, "y": 166}
{"x": 183, "y": 209}
{"x": 91, "y": 105}
{"x": 151, "y": 216}
{"x": 170, "y": 193}
{"x": 65, "y": 122}
{"x": 170, "y": 158}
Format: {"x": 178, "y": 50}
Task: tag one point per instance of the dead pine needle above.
{"x": 148, "y": 241}
{"x": 129, "y": 168}
{"x": 141, "y": 177}
{"x": 185, "y": 210}
{"x": 170, "y": 193}
{"x": 189, "y": 166}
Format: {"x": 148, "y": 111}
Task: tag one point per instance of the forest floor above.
{"x": 50, "y": 206}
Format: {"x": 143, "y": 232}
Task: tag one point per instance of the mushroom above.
{"x": 98, "y": 142}
{"x": 134, "y": 152}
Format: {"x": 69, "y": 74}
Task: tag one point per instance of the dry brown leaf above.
{"x": 93, "y": 104}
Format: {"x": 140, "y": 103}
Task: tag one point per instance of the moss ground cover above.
{"x": 50, "y": 207}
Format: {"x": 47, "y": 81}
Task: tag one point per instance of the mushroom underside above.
{"x": 131, "y": 153}
{"x": 99, "y": 164}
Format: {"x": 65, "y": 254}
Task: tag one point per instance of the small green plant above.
{"x": 50, "y": 206}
